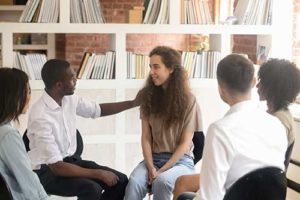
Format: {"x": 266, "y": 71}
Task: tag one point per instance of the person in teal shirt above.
{"x": 14, "y": 163}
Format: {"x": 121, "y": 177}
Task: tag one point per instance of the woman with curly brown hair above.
{"x": 170, "y": 115}
{"x": 279, "y": 85}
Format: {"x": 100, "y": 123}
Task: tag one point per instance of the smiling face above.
{"x": 159, "y": 72}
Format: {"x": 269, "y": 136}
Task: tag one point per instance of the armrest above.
{"x": 291, "y": 183}
{"x": 295, "y": 162}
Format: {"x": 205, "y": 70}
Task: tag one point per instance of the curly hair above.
{"x": 171, "y": 103}
{"x": 279, "y": 80}
{"x": 13, "y": 91}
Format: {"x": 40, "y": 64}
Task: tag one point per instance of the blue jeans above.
{"x": 163, "y": 185}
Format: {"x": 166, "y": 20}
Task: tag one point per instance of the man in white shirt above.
{"x": 245, "y": 139}
{"x": 52, "y": 135}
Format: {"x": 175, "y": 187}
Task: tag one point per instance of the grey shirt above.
{"x": 15, "y": 166}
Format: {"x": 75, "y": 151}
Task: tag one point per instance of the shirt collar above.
{"x": 244, "y": 105}
{"x": 49, "y": 101}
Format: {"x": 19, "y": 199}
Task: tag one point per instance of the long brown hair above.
{"x": 171, "y": 103}
{"x": 13, "y": 93}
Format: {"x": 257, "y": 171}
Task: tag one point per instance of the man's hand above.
{"x": 109, "y": 178}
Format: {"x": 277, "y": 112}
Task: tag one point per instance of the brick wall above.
{"x": 72, "y": 46}
{"x": 115, "y": 11}
{"x": 245, "y": 44}
{"x": 144, "y": 43}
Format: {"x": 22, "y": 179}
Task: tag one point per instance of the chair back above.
{"x": 267, "y": 183}
{"x": 26, "y": 141}
{"x": 79, "y": 148}
{"x": 5, "y": 192}
{"x": 198, "y": 141}
{"x": 288, "y": 154}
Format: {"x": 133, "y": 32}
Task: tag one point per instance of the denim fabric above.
{"x": 163, "y": 185}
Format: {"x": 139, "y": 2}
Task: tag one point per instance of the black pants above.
{"x": 83, "y": 188}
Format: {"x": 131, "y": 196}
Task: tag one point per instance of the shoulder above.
{"x": 284, "y": 116}
{"x": 7, "y": 131}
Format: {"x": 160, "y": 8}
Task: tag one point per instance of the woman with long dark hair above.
{"x": 170, "y": 115}
{"x": 15, "y": 167}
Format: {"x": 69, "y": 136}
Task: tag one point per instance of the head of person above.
{"x": 59, "y": 77}
{"x": 166, "y": 91}
{"x": 15, "y": 94}
{"x": 279, "y": 83}
{"x": 235, "y": 75}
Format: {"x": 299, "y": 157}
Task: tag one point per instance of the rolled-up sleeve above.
{"x": 43, "y": 147}
{"x": 87, "y": 108}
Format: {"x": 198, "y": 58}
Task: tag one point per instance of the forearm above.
{"x": 69, "y": 170}
{"x": 179, "y": 152}
{"x": 147, "y": 153}
{"x": 113, "y": 108}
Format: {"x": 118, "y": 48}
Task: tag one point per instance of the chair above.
{"x": 267, "y": 183}
{"x": 288, "y": 154}
{"x": 5, "y": 192}
{"x": 291, "y": 183}
{"x": 198, "y": 140}
{"x": 79, "y": 148}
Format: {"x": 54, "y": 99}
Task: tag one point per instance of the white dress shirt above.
{"x": 52, "y": 128}
{"x": 246, "y": 138}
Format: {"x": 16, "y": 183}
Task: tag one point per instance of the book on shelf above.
{"x": 254, "y": 12}
{"x": 157, "y": 12}
{"x": 200, "y": 64}
{"x": 97, "y": 66}
{"x": 31, "y": 63}
{"x": 137, "y": 65}
{"x": 86, "y": 11}
{"x": 42, "y": 11}
{"x": 196, "y": 12}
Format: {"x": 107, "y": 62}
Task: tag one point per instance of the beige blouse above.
{"x": 287, "y": 120}
{"x": 168, "y": 140}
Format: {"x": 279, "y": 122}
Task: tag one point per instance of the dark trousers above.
{"x": 83, "y": 188}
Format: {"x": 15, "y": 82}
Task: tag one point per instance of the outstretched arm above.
{"x": 113, "y": 108}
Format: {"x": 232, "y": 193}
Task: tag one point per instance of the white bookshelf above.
{"x": 117, "y": 134}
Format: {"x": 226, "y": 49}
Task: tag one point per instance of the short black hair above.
{"x": 280, "y": 82}
{"x": 236, "y": 72}
{"x": 13, "y": 92}
{"x": 54, "y": 71}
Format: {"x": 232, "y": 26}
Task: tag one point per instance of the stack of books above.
{"x": 31, "y": 63}
{"x": 41, "y": 11}
{"x": 254, "y": 12}
{"x": 157, "y": 12}
{"x": 97, "y": 66}
{"x": 86, "y": 11}
{"x": 195, "y": 12}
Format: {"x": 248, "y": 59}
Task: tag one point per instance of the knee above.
{"x": 180, "y": 182}
{"x": 161, "y": 183}
{"x": 123, "y": 179}
{"x": 92, "y": 189}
